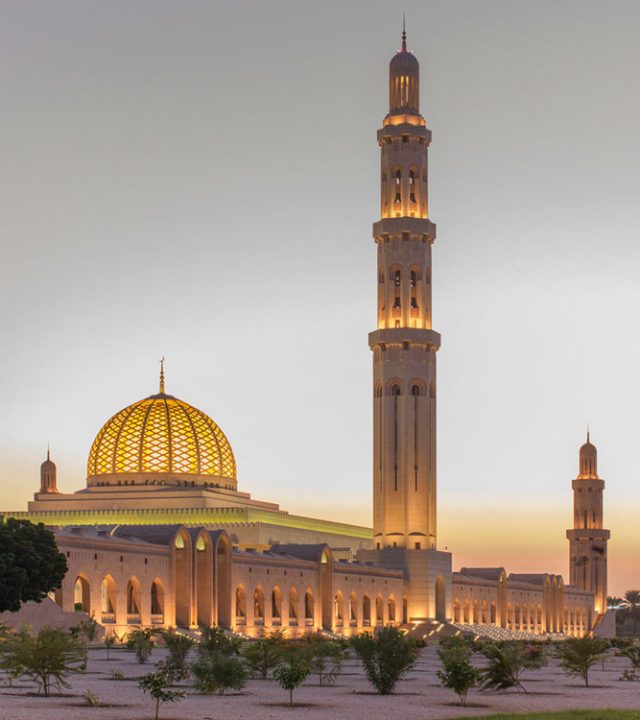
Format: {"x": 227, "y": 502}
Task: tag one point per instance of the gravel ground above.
{"x": 418, "y": 697}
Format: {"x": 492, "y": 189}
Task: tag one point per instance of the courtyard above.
{"x": 418, "y": 697}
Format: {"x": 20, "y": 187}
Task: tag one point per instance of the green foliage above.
{"x": 178, "y": 646}
{"x": 89, "y": 629}
{"x": 631, "y": 609}
{"x": 47, "y": 657}
{"x": 564, "y": 715}
{"x": 629, "y": 674}
{"x": 140, "y": 642}
{"x": 457, "y": 673}
{"x": 386, "y": 657}
{"x": 578, "y": 655}
{"x": 214, "y": 641}
{"x": 291, "y": 673}
{"x": 157, "y": 684}
{"x": 217, "y": 672}
{"x": 109, "y": 642}
{"x": 507, "y": 661}
{"x": 326, "y": 658}
{"x": 30, "y": 563}
{"x": 264, "y": 654}
{"x": 632, "y": 653}
{"x": 117, "y": 675}
{"x": 91, "y": 699}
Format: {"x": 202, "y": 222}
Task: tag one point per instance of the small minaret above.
{"x": 588, "y": 539}
{"x": 404, "y": 344}
{"x": 48, "y": 476}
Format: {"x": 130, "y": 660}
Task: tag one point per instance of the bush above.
{"x": 507, "y": 662}
{"x": 178, "y": 646}
{"x": 578, "y": 655}
{"x": 157, "y": 684}
{"x": 47, "y": 657}
{"x": 117, "y": 675}
{"x": 217, "y": 672}
{"x": 215, "y": 641}
{"x": 326, "y": 658}
{"x": 264, "y": 654}
{"x": 290, "y": 674}
{"x": 140, "y": 642}
{"x": 458, "y": 674}
{"x": 386, "y": 658}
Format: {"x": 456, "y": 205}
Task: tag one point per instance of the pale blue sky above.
{"x": 198, "y": 180}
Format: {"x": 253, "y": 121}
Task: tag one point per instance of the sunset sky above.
{"x": 197, "y": 180}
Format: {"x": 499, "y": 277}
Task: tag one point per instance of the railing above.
{"x": 353, "y": 622}
{"x": 108, "y": 618}
{"x": 241, "y": 620}
{"x": 293, "y": 622}
{"x": 133, "y": 619}
{"x": 339, "y": 622}
{"x": 258, "y": 621}
{"x": 276, "y": 621}
{"x": 366, "y": 623}
{"x": 308, "y": 622}
{"x": 157, "y": 619}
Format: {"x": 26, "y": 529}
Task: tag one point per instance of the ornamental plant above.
{"x": 506, "y": 663}
{"x": 386, "y": 657}
{"x": 216, "y": 672}
{"x": 140, "y": 642}
{"x": 157, "y": 684}
{"x": 291, "y": 673}
{"x": 458, "y": 673}
{"x": 264, "y": 654}
{"x": 578, "y": 654}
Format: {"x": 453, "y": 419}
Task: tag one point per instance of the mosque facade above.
{"x": 162, "y": 537}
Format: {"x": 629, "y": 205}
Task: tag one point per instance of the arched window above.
{"x": 133, "y": 597}
{"x": 398, "y": 197}
{"x": 397, "y": 278}
{"x": 258, "y": 605}
{"x": 157, "y": 598}
{"x": 366, "y": 611}
{"x": 353, "y": 608}
{"x": 338, "y": 608}
{"x": 308, "y": 605}
{"x": 379, "y": 610}
{"x": 412, "y": 186}
{"x": 276, "y": 603}
{"x": 241, "y": 605}
{"x": 108, "y": 596}
{"x": 293, "y": 606}
{"x": 81, "y": 594}
{"x": 391, "y": 610}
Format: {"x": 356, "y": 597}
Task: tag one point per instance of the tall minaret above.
{"x": 404, "y": 345}
{"x": 48, "y": 476}
{"x": 588, "y": 539}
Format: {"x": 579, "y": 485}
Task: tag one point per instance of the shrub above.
{"x": 140, "y": 642}
{"x": 506, "y": 663}
{"x": 264, "y": 654}
{"x": 91, "y": 699}
{"x": 290, "y": 674}
{"x": 457, "y": 673}
{"x": 157, "y": 684}
{"x": 326, "y": 658}
{"x": 386, "y": 658}
{"x": 215, "y": 641}
{"x": 109, "y": 642}
{"x": 178, "y": 646}
{"x": 578, "y": 655}
{"x": 47, "y": 657}
{"x": 217, "y": 672}
{"x": 117, "y": 675}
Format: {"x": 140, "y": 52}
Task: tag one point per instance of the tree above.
{"x": 578, "y": 655}
{"x": 178, "y": 646}
{"x": 140, "y": 642}
{"x": 326, "y": 658}
{"x": 386, "y": 658}
{"x": 157, "y": 684}
{"x": 291, "y": 673}
{"x": 30, "y": 563}
{"x": 632, "y": 652}
{"x": 632, "y": 607}
{"x": 614, "y": 602}
{"x": 215, "y": 640}
{"x": 457, "y": 673}
{"x": 506, "y": 663}
{"x": 218, "y": 672}
{"x": 264, "y": 654}
{"x": 47, "y": 657}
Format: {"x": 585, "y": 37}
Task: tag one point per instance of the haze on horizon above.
{"x": 198, "y": 180}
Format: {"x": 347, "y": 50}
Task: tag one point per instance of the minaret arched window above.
{"x": 398, "y": 198}
{"x": 395, "y": 394}
{"x": 412, "y": 186}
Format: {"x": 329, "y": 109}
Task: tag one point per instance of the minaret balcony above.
{"x": 422, "y": 228}
{"x": 430, "y": 339}
{"x": 388, "y": 132}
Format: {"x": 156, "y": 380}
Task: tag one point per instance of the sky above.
{"x": 197, "y": 180}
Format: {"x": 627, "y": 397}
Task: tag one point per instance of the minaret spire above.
{"x": 162, "y": 375}
{"x": 404, "y": 34}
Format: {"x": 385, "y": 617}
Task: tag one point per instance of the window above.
{"x": 398, "y": 198}
{"x": 414, "y": 303}
{"x": 397, "y": 277}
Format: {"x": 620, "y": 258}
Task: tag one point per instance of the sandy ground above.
{"x": 418, "y": 697}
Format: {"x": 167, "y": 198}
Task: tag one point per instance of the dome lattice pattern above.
{"x": 161, "y": 435}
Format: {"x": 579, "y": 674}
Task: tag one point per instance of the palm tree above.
{"x": 632, "y": 607}
{"x": 614, "y": 602}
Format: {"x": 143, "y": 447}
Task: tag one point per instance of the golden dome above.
{"x": 161, "y": 440}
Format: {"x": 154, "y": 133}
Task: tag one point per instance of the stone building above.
{"x": 161, "y": 535}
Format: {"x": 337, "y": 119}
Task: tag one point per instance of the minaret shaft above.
{"x": 404, "y": 345}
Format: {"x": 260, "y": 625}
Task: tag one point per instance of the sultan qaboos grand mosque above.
{"x": 161, "y": 536}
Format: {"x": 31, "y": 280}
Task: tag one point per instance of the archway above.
{"x": 353, "y": 609}
{"x": 81, "y": 594}
{"x": 241, "y": 605}
{"x": 366, "y": 611}
{"x": 379, "y": 611}
{"x": 157, "y": 603}
{"x": 133, "y": 601}
{"x": 405, "y": 610}
{"x": 108, "y": 602}
{"x": 182, "y": 567}
{"x": 391, "y": 609}
{"x": 456, "y": 610}
{"x": 276, "y": 606}
{"x": 293, "y": 606}
{"x": 204, "y": 579}
{"x": 441, "y": 601}
{"x": 338, "y": 609}
{"x": 258, "y": 606}
{"x": 308, "y": 608}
